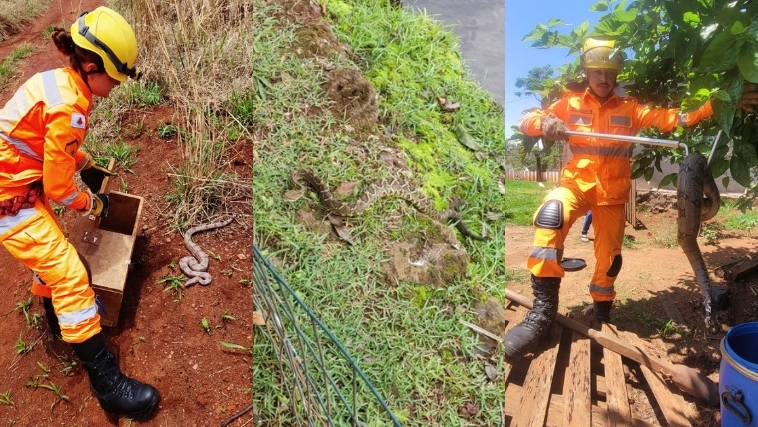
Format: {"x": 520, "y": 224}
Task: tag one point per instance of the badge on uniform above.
{"x": 78, "y": 121}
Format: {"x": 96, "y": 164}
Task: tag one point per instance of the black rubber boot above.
{"x": 52, "y": 319}
{"x": 116, "y": 392}
{"x": 601, "y": 313}
{"x": 522, "y": 337}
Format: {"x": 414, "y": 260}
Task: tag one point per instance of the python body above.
{"x": 386, "y": 187}
{"x": 195, "y": 266}
{"x": 698, "y": 200}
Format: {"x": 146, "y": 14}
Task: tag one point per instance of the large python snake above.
{"x": 698, "y": 200}
{"x": 394, "y": 186}
{"x": 196, "y": 266}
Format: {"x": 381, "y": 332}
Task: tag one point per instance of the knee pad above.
{"x": 615, "y": 267}
{"x": 550, "y": 215}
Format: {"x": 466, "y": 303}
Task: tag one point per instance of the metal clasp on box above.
{"x": 92, "y": 237}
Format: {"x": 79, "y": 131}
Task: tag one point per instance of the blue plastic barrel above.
{"x": 738, "y": 376}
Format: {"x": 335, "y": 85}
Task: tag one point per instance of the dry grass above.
{"x": 201, "y": 52}
{"x": 15, "y": 14}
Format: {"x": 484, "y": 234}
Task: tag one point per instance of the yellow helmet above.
{"x": 107, "y": 33}
{"x": 599, "y": 53}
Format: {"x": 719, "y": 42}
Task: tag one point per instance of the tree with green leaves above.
{"x": 679, "y": 53}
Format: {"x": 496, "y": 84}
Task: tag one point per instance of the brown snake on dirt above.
{"x": 394, "y": 186}
{"x": 195, "y": 266}
{"x": 698, "y": 200}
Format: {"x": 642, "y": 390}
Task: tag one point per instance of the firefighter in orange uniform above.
{"x": 41, "y": 130}
{"x": 597, "y": 178}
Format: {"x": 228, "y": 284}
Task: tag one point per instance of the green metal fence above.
{"x": 320, "y": 383}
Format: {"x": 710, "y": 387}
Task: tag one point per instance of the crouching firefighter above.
{"x": 41, "y": 130}
{"x": 597, "y": 178}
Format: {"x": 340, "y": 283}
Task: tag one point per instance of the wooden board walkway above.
{"x": 571, "y": 381}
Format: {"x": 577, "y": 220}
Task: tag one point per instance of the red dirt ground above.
{"x": 656, "y": 263}
{"x": 158, "y": 340}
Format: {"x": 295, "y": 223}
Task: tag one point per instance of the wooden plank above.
{"x": 536, "y": 392}
{"x": 736, "y": 270}
{"x": 576, "y": 389}
{"x": 619, "y": 411}
{"x": 671, "y": 404}
{"x": 555, "y": 411}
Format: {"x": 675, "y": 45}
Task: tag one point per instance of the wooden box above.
{"x": 107, "y": 245}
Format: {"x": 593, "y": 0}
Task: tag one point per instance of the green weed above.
{"x": 5, "y": 399}
{"x": 21, "y": 346}
{"x": 174, "y": 284}
{"x": 166, "y": 130}
{"x": 205, "y": 325}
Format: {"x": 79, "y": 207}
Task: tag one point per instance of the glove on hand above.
{"x": 100, "y": 205}
{"x": 93, "y": 175}
{"x": 749, "y": 98}
{"x": 553, "y": 128}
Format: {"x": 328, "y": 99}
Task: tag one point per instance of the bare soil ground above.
{"x": 158, "y": 340}
{"x": 654, "y": 263}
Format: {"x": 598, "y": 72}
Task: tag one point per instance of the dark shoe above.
{"x": 522, "y": 337}
{"x": 601, "y": 313}
{"x": 116, "y": 392}
{"x": 52, "y": 319}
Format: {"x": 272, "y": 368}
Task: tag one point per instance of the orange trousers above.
{"x": 35, "y": 238}
{"x": 569, "y": 203}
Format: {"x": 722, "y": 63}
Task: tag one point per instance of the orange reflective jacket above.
{"x": 41, "y": 130}
{"x": 605, "y": 163}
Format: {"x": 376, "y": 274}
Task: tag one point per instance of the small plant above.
{"x": 58, "y": 210}
{"x": 124, "y": 186}
{"x": 173, "y": 283}
{"x": 141, "y": 338}
{"x": 710, "y": 234}
{"x": 237, "y": 347}
{"x": 123, "y": 153}
{"x": 206, "y": 326}
{"x": 68, "y": 366}
{"x": 5, "y": 399}
{"x": 21, "y": 346}
{"x": 166, "y": 130}
{"x": 213, "y": 255}
{"x": 226, "y": 317}
{"x": 52, "y": 387}
{"x": 628, "y": 242}
{"x": 228, "y": 272}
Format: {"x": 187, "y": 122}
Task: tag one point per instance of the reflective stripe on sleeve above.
{"x": 79, "y": 316}
{"x": 21, "y": 146}
{"x": 52, "y": 91}
{"x": 682, "y": 120}
{"x": 68, "y": 200}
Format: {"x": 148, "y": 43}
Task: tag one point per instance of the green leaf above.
{"x": 721, "y": 54}
{"x": 744, "y": 148}
{"x": 696, "y": 100}
{"x": 648, "y": 174}
{"x": 725, "y": 181}
{"x": 600, "y": 6}
{"x": 719, "y": 167}
{"x": 692, "y": 18}
{"x": 625, "y": 15}
{"x": 666, "y": 180}
{"x": 535, "y": 34}
{"x": 748, "y": 62}
{"x": 723, "y": 112}
{"x": 738, "y": 28}
{"x": 552, "y": 22}
{"x": 637, "y": 173}
{"x": 740, "y": 171}
{"x": 466, "y": 139}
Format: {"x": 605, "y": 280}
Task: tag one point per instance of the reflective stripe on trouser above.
{"x": 608, "y": 222}
{"x": 33, "y": 237}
